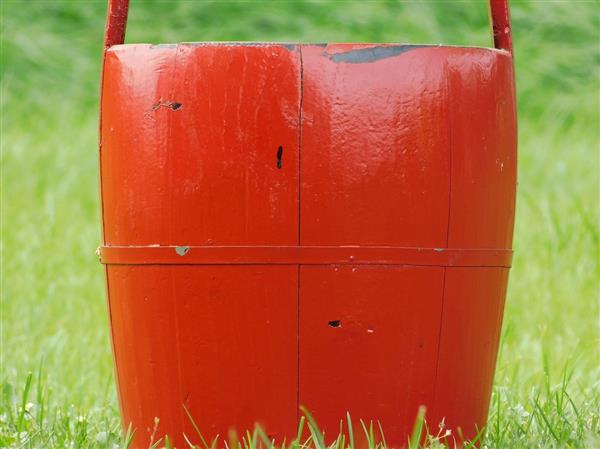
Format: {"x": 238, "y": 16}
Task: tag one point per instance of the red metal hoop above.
{"x": 116, "y": 22}
{"x": 303, "y": 255}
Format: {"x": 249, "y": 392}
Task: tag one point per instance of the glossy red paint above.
{"x": 201, "y": 126}
{"x": 378, "y": 359}
{"x": 286, "y": 225}
{"x": 468, "y": 344}
{"x": 219, "y": 340}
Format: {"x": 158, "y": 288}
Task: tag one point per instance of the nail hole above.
{"x": 175, "y": 106}
{"x": 335, "y": 323}
{"x": 279, "y": 156}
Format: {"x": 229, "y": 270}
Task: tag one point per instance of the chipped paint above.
{"x": 372, "y": 54}
{"x": 173, "y": 105}
{"x": 182, "y": 250}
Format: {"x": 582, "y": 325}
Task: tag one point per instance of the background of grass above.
{"x": 53, "y": 308}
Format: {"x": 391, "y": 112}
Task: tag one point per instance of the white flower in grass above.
{"x": 30, "y": 407}
{"x": 102, "y": 437}
{"x": 520, "y": 413}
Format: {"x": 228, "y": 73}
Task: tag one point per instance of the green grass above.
{"x": 54, "y": 320}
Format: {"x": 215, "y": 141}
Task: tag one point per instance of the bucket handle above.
{"x": 116, "y": 21}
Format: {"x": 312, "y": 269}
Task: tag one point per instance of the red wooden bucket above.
{"x": 300, "y": 224}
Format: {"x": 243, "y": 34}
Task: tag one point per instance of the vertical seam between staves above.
{"x": 448, "y": 122}
{"x": 299, "y": 229}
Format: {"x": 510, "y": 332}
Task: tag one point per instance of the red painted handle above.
{"x": 500, "y": 17}
{"x": 116, "y": 21}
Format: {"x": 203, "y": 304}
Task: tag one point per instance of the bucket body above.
{"x": 319, "y": 225}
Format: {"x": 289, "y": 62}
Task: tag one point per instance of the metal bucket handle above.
{"x": 116, "y": 21}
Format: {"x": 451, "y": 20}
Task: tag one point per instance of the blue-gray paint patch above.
{"x": 182, "y": 250}
{"x": 372, "y": 54}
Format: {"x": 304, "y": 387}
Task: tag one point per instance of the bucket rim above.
{"x": 294, "y": 45}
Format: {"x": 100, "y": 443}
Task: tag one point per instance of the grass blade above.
{"x": 22, "y": 411}
{"x": 415, "y": 437}
{"x": 195, "y": 426}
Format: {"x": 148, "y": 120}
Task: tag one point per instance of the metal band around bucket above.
{"x": 303, "y": 255}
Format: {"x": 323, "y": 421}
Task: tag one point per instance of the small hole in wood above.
{"x": 279, "y": 156}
